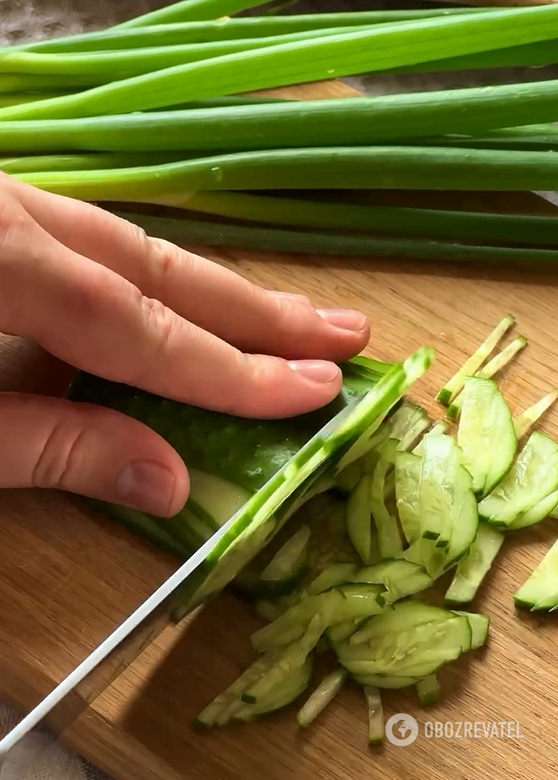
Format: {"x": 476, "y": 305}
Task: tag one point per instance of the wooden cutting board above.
{"x": 68, "y": 577}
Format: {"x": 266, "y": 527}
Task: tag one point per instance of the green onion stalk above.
{"x": 335, "y": 168}
{"x": 378, "y": 48}
{"x": 225, "y": 30}
{"x": 87, "y": 69}
{"x": 263, "y": 239}
{"x": 283, "y": 124}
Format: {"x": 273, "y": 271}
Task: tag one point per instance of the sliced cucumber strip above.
{"x": 336, "y": 574}
{"x": 389, "y": 538}
{"x": 291, "y": 558}
{"x": 403, "y": 614}
{"x": 218, "y": 498}
{"x": 480, "y": 625}
{"x": 412, "y": 640}
{"x": 375, "y": 715}
{"x": 359, "y": 519}
{"x": 532, "y": 478}
{"x": 428, "y": 690}
{"x": 465, "y": 517}
{"x": 400, "y": 578}
{"x": 438, "y": 429}
{"x": 269, "y": 610}
{"x": 537, "y": 513}
{"x": 497, "y": 363}
{"x": 347, "y": 479}
{"x": 439, "y": 466}
{"x": 385, "y": 681}
{"x": 525, "y": 421}
{"x": 291, "y": 688}
{"x": 326, "y": 691}
{"x": 472, "y": 365}
{"x": 540, "y": 591}
{"x": 473, "y": 568}
{"x": 340, "y": 604}
{"x": 406, "y": 424}
{"x": 486, "y": 434}
{"x": 407, "y": 480}
{"x": 341, "y": 631}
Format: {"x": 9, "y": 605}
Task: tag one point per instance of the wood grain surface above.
{"x": 68, "y": 576}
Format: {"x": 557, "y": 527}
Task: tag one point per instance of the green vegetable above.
{"x": 486, "y": 434}
{"x": 449, "y": 392}
{"x": 267, "y": 125}
{"x": 389, "y": 539}
{"x": 380, "y": 48}
{"x": 472, "y": 569}
{"x": 326, "y": 691}
{"x": 175, "y": 33}
{"x": 189, "y": 11}
{"x": 525, "y": 421}
{"x": 497, "y": 363}
{"x": 359, "y": 519}
{"x": 375, "y": 715}
{"x": 540, "y": 591}
{"x": 521, "y": 498}
{"x": 428, "y": 690}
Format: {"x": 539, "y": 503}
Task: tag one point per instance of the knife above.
{"x": 98, "y": 671}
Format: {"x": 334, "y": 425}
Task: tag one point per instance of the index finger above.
{"x": 91, "y": 317}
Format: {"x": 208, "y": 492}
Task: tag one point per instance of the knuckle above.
{"x": 158, "y": 324}
{"x": 60, "y": 453}
{"x": 164, "y": 258}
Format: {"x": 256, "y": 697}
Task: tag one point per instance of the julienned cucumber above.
{"x": 540, "y": 591}
{"x": 380, "y": 504}
{"x": 278, "y": 461}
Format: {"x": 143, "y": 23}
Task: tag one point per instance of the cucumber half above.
{"x": 277, "y": 460}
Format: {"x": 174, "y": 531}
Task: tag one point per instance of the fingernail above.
{"x": 315, "y": 370}
{"x": 146, "y": 485}
{"x": 344, "y": 319}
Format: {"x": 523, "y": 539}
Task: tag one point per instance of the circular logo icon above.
{"x": 401, "y": 729}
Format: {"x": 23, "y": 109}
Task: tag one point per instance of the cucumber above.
{"x": 480, "y": 625}
{"x": 400, "y": 578}
{"x": 472, "y": 569}
{"x": 428, "y": 690}
{"x": 359, "y": 518}
{"x": 532, "y": 478}
{"x": 440, "y": 463}
{"x": 283, "y": 573}
{"x": 464, "y": 517}
{"x": 525, "y": 421}
{"x": 347, "y": 479}
{"x": 292, "y": 687}
{"x": 384, "y": 681}
{"x": 472, "y": 364}
{"x": 407, "y": 479}
{"x": 336, "y": 574}
{"x": 340, "y": 604}
{"x": 375, "y": 715}
{"x": 406, "y": 424}
{"x": 486, "y": 434}
{"x": 540, "y": 591}
{"x": 389, "y": 538}
{"x": 411, "y": 640}
{"x": 326, "y": 691}
{"x": 497, "y": 363}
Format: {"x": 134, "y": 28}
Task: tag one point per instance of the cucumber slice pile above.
{"x": 341, "y": 532}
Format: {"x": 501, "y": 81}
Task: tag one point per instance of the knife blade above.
{"x": 60, "y": 708}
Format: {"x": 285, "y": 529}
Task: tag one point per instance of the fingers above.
{"x": 95, "y": 452}
{"x": 96, "y": 320}
{"x": 209, "y": 295}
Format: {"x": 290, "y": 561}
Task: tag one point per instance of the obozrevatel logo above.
{"x": 401, "y": 729}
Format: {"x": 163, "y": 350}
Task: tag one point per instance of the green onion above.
{"x": 17, "y": 98}
{"x": 382, "y": 167}
{"x": 23, "y": 82}
{"x": 383, "y": 220}
{"x": 190, "y": 11}
{"x": 285, "y": 124}
{"x": 379, "y": 48}
{"x": 76, "y": 162}
{"x": 216, "y": 234}
{"x": 226, "y": 30}
{"x": 543, "y": 137}
{"x": 92, "y": 69}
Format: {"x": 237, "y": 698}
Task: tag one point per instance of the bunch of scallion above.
{"x": 159, "y": 111}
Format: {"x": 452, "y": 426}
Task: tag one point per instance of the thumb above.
{"x": 86, "y": 449}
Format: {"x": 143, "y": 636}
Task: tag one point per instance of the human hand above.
{"x": 97, "y": 293}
